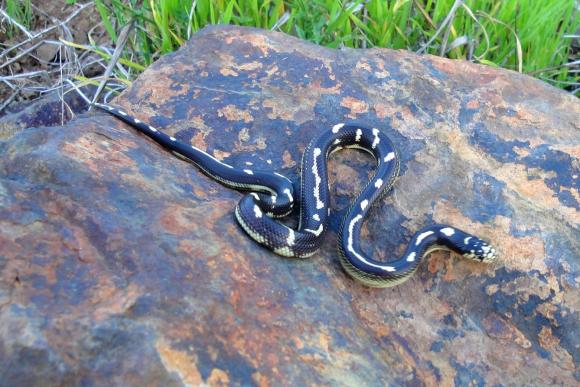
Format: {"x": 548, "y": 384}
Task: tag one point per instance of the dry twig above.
{"x": 121, "y": 42}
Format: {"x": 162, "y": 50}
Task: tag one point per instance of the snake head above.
{"x": 466, "y": 244}
{"x": 479, "y": 250}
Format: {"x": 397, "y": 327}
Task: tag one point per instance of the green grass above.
{"x": 20, "y": 11}
{"x": 522, "y": 35}
{"x": 510, "y": 34}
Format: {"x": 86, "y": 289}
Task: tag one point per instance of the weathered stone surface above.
{"x": 52, "y": 110}
{"x": 121, "y": 264}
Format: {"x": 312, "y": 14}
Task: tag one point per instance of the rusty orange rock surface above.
{"x": 122, "y": 264}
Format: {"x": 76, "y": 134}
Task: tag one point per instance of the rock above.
{"x": 47, "y": 52}
{"x": 50, "y": 110}
{"x": 122, "y": 264}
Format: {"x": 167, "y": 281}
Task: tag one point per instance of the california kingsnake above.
{"x": 272, "y": 197}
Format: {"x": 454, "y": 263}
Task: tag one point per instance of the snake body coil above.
{"x": 272, "y": 196}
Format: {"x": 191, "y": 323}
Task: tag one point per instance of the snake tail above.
{"x": 274, "y": 191}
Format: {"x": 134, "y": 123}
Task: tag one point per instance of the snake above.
{"x": 271, "y": 197}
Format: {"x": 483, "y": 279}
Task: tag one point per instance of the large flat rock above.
{"x": 121, "y": 264}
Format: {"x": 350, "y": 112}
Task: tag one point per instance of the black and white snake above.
{"x": 272, "y": 197}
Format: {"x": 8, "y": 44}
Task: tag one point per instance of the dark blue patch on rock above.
{"x": 467, "y": 375}
{"x": 466, "y": 115}
{"x": 437, "y": 346}
{"x": 566, "y": 198}
{"x": 565, "y": 170}
{"x": 488, "y": 201}
{"x": 494, "y": 146}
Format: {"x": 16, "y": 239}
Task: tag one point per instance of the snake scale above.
{"x": 272, "y": 196}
